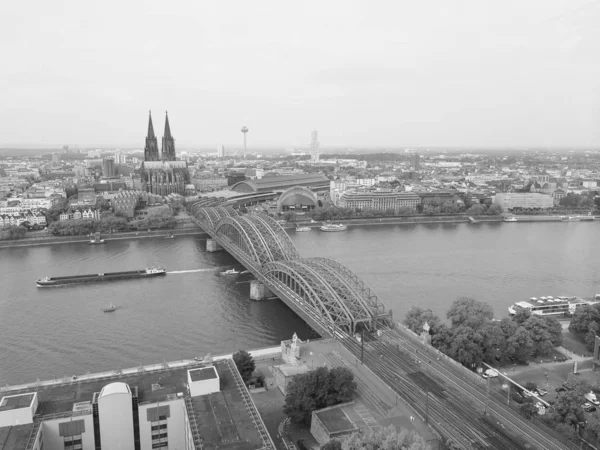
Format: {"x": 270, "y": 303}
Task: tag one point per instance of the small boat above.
{"x": 169, "y": 236}
{"x": 110, "y": 308}
{"x": 473, "y": 220}
{"x": 510, "y": 219}
{"x": 230, "y": 272}
{"x": 244, "y": 272}
{"x": 96, "y": 239}
{"x": 333, "y": 227}
{"x": 302, "y": 228}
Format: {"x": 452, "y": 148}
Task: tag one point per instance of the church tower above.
{"x": 168, "y": 143}
{"x": 151, "y": 148}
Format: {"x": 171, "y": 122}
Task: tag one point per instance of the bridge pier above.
{"x": 258, "y": 291}
{"x": 213, "y": 246}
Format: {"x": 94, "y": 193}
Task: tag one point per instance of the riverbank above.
{"x": 51, "y": 240}
{"x": 399, "y": 220}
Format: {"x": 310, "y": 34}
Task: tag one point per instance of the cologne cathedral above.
{"x": 162, "y": 174}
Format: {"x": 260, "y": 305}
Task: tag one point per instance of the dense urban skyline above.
{"x": 391, "y": 74}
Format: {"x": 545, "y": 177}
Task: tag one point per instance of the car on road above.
{"x": 588, "y": 407}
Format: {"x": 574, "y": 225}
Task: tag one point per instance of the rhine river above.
{"x": 56, "y": 332}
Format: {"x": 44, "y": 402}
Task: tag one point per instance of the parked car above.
{"x": 567, "y": 386}
{"x": 541, "y": 392}
{"x": 588, "y": 407}
{"x": 560, "y": 389}
{"x": 527, "y": 393}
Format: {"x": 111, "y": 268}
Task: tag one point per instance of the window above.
{"x": 73, "y": 442}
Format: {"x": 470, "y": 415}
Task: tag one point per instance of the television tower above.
{"x": 244, "y": 130}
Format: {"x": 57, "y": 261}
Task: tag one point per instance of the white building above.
{"x": 524, "y": 200}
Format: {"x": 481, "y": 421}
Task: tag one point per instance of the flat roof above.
{"x": 203, "y": 373}
{"x": 16, "y": 402}
{"x": 335, "y": 419}
{"x": 222, "y": 417}
{"x": 15, "y": 437}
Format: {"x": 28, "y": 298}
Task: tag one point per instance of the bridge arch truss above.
{"x": 327, "y": 290}
{"x": 257, "y": 237}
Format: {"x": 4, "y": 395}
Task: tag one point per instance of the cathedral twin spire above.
{"x": 167, "y": 152}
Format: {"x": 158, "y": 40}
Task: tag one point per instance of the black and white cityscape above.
{"x": 319, "y": 226}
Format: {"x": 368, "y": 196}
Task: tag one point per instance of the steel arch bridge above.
{"x": 327, "y": 289}
{"x": 257, "y": 236}
{"x": 325, "y": 293}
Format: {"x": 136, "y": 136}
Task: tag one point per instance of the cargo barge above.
{"x": 109, "y": 276}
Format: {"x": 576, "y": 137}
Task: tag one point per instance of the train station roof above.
{"x": 281, "y": 183}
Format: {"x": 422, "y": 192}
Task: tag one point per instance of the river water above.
{"x": 53, "y": 332}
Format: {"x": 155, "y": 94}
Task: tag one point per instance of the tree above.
{"x": 244, "y": 363}
{"x": 13, "y": 232}
{"x": 583, "y": 317}
{"x": 159, "y": 217}
{"x": 521, "y": 344}
{"x": 567, "y": 408}
{"x": 476, "y": 209}
{"x": 317, "y": 389}
{"x": 494, "y": 209}
{"x": 469, "y": 312}
{"x": 466, "y": 346}
{"x": 384, "y": 438}
{"x": 416, "y": 318}
{"x": 521, "y": 316}
{"x": 528, "y": 409}
{"x": 538, "y": 329}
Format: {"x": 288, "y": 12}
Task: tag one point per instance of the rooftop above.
{"x": 16, "y": 402}
{"x": 203, "y": 373}
{"x": 15, "y": 437}
{"x": 335, "y": 419}
{"x": 281, "y": 182}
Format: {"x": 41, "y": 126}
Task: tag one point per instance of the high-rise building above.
{"x": 415, "y": 161}
{"x": 221, "y": 151}
{"x": 119, "y": 157}
{"x": 108, "y": 167}
{"x": 55, "y": 157}
{"x": 151, "y": 148}
{"x": 167, "y": 150}
{"x": 314, "y": 147}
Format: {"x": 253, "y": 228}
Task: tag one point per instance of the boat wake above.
{"x": 194, "y": 270}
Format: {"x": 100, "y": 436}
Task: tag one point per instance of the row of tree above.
{"x": 473, "y": 336}
{"x": 12, "y": 232}
{"x": 157, "y": 218}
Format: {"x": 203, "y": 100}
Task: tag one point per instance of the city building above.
{"x": 190, "y": 407}
{"x": 524, "y": 200}
{"x": 314, "y": 147}
{"x": 221, "y": 151}
{"x": 164, "y": 175}
{"x": 108, "y": 168}
{"x": 55, "y": 158}
{"x": 379, "y": 200}
{"x": 415, "y": 161}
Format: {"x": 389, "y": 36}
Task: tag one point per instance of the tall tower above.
{"x": 244, "y": 130}
{"x": 314, "y": 146}
{"x": 151, "y": 148}
{"x": 167, "y": 150}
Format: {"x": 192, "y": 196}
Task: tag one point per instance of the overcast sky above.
{"x": 364, "y": 73}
